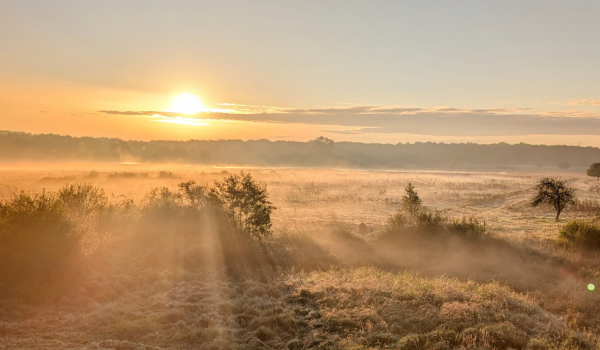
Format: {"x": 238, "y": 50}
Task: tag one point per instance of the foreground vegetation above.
{"x": 198, "y": 266}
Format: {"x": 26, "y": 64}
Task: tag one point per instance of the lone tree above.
{"x": 594, "y": 170}
{"x": 554, "y": 192}
{"x": 411, "y": 203}
{"x": 246, "y": 202}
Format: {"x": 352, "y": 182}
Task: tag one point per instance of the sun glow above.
{"x": 187, "y": 104}
{"x": 184, "y": 121}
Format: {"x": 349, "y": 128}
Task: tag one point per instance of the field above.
{"x": 330, "y": 279}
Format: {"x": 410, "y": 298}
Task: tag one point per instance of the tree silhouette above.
{"x": 411, "y": 203}
{"x": 246, "y": 202}
{"x": 554, "y": 192}
{"x": 594, "y": 170}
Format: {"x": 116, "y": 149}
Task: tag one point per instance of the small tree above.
{"x": 594, "y": 170}
{"x": 411, "y": 203}
{"x": 554, "y": 192}
{"x": 246, "y": 202}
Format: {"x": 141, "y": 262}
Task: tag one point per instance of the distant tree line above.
{"x": 18, "y": 146}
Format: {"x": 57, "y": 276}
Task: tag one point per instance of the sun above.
{"x": 187, "y": 104}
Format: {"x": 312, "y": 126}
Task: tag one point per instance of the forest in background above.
{"x": 321, "y": 152}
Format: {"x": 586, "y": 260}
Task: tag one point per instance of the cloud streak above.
{"x": 584, "y": 102}
{"x": 435, "y": 121}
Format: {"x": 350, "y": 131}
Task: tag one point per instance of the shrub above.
{"x": 163, "y": 174}
{"x": 564, "y": 165}
{"x": 82, "y": 199}
{"x": 36, "y": 237}
{"x": 580, "y": 234}
{"x": 433, "y": 223}
{"x": 422, "y": 222}
{"x": 469, "y": 228}
{"x": 197, "y": 196}
{"x": 161, "y": 202}
{"x": 246, "y": 203}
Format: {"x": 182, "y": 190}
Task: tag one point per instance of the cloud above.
{"x": 434, "y": 121}
{"x": 584, "y": 102}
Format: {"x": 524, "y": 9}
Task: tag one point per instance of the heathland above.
{"x": 125, "y": 257}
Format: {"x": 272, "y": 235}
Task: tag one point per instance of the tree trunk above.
{"x": 557, "y": 215}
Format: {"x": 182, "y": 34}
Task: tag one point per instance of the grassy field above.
{"x": 329, "y": 278}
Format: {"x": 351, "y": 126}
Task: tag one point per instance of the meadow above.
{"x": 333, "y": 275}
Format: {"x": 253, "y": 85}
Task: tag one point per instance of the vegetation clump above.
{"x": 239, "y": 197}
{"x": 581, "y": 234}
{"x": 37, "y": 238}
{"x": 412, "y": 218}
{"x": 246, "y": 202}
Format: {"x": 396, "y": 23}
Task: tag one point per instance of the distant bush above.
{"x": 127, "y": 174}
{"x": 468, "y": 227}
{"x": 581, "y": 234}
{"x": 414, "y": 219}
{"x": 163, "y": 174}
{"x": 36, "y": 237}
{"x": 433, "y": 223}
{"x": 564, "y": 165}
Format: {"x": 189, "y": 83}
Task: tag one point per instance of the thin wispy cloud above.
{"x": 584, "y": 102}
{"x": 435, "y": 121}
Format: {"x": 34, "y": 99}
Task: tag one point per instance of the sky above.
{"x": 365, "y": 71}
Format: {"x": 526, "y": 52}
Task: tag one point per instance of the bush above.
{"x": 241, "y": 198}
{"x": 433, "y": 223}
{"x": 246, "y": 203}
{"x": 469, "y": 228}
{"x": 161, "y": 202}
{"x": 580, "y": 234}
{"x": 426, "y": 222}
{"x": 83, "y": 199}
{"x": 564, "y": 165}
{"x": 36, "y": 237}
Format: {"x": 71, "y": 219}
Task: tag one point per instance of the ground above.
{"x": 525, "y": 292}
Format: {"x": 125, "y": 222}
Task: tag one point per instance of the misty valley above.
{"x": 150, "y": 256}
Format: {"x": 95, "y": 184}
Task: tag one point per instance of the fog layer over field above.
{"x": 138, "y": 257}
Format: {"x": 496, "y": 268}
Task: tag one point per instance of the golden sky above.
{"x": 367, "y": 71}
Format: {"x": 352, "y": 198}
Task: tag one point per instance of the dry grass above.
{"x": 320, "y": 284}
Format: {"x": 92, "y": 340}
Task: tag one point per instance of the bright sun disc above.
{"x": 187, "y": 104}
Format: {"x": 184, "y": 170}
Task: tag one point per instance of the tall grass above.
{"x": 181, "y": 269}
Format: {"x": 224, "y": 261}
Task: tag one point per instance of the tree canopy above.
{"x": 594, "y": 170}
{"x": 554, "y": 192}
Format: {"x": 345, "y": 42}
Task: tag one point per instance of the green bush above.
{"x": 469, "y": 228}
{"x": 36, "y": 237}
{"x": 433, "y": 224}
{"x": 424, "y": 222}
{"x": 241, "y": 198}
{"x": 580, "y": 234}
